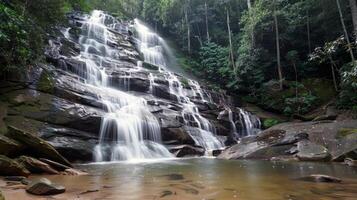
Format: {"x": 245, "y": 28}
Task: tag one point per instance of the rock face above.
{"x": 55, "y": 115}
{"x": 307, "y": 141}
{"x": 44, "y": 186}
{"x": 36, "y": 166}
{"x": 9, "y": 167}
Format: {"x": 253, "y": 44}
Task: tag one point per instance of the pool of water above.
{"x": 205, "y": 179}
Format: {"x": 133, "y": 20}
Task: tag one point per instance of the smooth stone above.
{"x": 320, "y": 178}
{"x": 44, "y": 186}
{"x": 9, "y": 167}
{"x": 74, "y": 172}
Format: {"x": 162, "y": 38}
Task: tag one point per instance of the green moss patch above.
{"x": 345, "y": 132}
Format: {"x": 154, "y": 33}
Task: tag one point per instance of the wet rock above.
{"x": 89, "y": 191}
{"x": 309, "y": 151}
{"x": 350, "y": 162}
{"x": 320, "y": 178}
{"x": 44, "y": 186}
{"x": 346, "y": 148}
{"x": 176, "y": 134}
{"x": 14, "y": 178}
{"x": 74, "y": 172}
{"x": 9, "y": 146}
{"x": 166, "y": 193}
{"x": 36, "y": 144}
{"x": 36, "y": 166}
{"x": 9, "y": 167}
{"x": 186, "y": 151}
{"x": 55, "y": 165}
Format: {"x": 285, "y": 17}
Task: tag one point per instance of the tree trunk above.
{"x": 188, "y": 29}
{"x": 308, "y": 31}
{"x": 353, "y": 6}
{"x": 230, "y": 41}
{"x": 345, "y": 31}
{"x": 278, "y": 47}
{"x": 207, "y": 29}
{"x": 249, "y": 3}
{"x": 333, "y": 73}
{"x": 296, "y": 80}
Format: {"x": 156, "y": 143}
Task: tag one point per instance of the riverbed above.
{"x": 204, "y": 179}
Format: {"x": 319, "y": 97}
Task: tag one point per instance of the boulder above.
{"x": 346, "y": 148}
{"x": 9, "y": 146}
{"x": 44, "y": 186}
{"x": 36, "y": 166}
{"x": 9, "y": 167}
{"x": 350, "y": 162}
{"x": 177, "y": 134}
{"x": 320, "y": 178}
{"x": 309, "y": 151}
{"x": 186, "y": 150}
{"x": 36, "y": 144}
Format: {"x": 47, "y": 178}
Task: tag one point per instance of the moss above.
{"x": 345, "y": 132}
{"x": 46, "y": 83}
{"x": 267, "y": 123}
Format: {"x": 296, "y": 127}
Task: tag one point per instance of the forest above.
{"x": 237, "y": 45}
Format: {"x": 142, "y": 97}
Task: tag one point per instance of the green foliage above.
{"x": 14, "y": 39}
{"x": 267, "y": 123}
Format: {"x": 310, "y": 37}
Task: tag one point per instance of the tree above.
{"x": 353, "y": 6}
{"x": 278, "y": 46}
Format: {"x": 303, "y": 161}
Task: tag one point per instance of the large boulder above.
{"x": 309, "y": 151}
{"x": 9, "y": 167}
{"x": 186, "y": 151}
{"x": 44, "y": 186}
{"x": 176, "y": 135}
{"x": 36, "y": 145}
{"x": 346, "y": 148}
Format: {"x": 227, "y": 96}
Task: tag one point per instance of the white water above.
{"x": 251, "y": 123}
{"x": 128, "y": 131}
{"x": 153, "y": 48}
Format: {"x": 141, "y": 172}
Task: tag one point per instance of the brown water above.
{"x": 204, "y": 179}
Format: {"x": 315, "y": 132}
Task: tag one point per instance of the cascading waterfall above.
{"x": 153, "y": 48}
{"x": 128, "y": 131}
{"x": 251, "y": 123}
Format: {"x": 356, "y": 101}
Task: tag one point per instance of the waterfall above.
{"x": 129, "y": 131}
{"x": 250, "y": 123}
{"x": 153, "y": 47}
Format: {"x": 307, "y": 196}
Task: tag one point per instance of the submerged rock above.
{"x": 350, "y": 162}
{"x": 44, "y": 186}
{"x": 319, "y": 178}
{"x": 9, "y": 167}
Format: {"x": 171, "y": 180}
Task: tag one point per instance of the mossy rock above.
{"x": 36, "y": 144}
{"x": 345, "y": 132}
{"x": 9, "y": 146}
{"x": 9, "y": 167}
{"x": 1, "y": 196}
{"x": 46, "y": 83}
